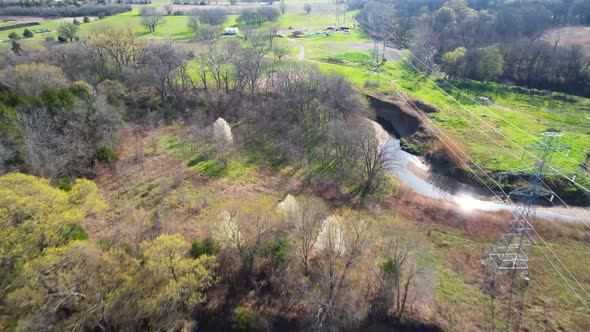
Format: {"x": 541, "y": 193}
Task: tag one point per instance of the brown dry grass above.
{"x": 478, "y": 225}
{"x": 181, "y": 197}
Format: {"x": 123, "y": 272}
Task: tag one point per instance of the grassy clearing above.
{"x": 237, "y": 168}
{"x": 550, "y": 304}
{"x": 315, "y": 21}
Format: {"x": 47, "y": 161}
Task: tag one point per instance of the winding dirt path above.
{"x": 301, "y": 54}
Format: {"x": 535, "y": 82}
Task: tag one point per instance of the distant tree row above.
{"x": 511, "y": 42}
{"x": 258, "y": 16}
{"x": 66, "y": 11}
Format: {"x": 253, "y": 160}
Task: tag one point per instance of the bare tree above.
{"x": 373, "y": 159}
{"x": 214, "y": 16}
{"x": 194, "y": 23}
{"x": 244, "y": 231}
{"x": 122, "y": 45}
{"x": 273, "y": 31}
{"x": 283, "y": 7}
{"x": 394, "y": 275}
{"x": 250, "y": 63}
{"x": 208, "y": 34}
{"x": 151, "y": 18}
{"x": 305, "y": 218}
{"x": 341, "y": 242}
{"x": 161, "y": 67}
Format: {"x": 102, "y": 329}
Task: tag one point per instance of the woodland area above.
{"x": 488, "y": 40}
{"x": 224, "y": 183}
{"x": 62, "y": 109}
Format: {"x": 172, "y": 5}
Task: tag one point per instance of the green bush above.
{"x": 106, "y": 154}
{"x": 66, "y": 184}
{"x": 203, "y": 247}
{"x": 77, "y": 233}
{"x": 278, "y": 251}
{"x": 61, "y": 39}
{"x": 13, "y": 35}
{"x": 86, "y": 19}
{"x": 242, "y": 319}
{"x": 28, "y": 33}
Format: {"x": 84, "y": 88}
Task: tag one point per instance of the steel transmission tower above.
{"x": 511, "y": 253}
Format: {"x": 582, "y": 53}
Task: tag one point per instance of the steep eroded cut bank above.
{"x": 397, "y": 117}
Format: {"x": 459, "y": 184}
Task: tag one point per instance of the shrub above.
{"x": 106, "y": 154}
{"x": 66, "y": 184}
{"x": 86, "y": 19}
{"x": 203, "y": 247}
{"x": 50, "y": 39}
{"x": 278, "y": 251}
{"x": 28, "y": 33}
{"x": 242, "y": 319}
{"x": 76, "y": 22}
{"x": 13, "y": 36}
{"x": 61, "y": 39}
{"x": 77, "y": 233}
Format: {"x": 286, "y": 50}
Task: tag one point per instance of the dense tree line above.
{"x": 259, "y": 15}
{"x": 66, "y": 11}
{"x": 485, "y": 40}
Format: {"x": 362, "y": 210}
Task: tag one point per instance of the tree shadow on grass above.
{"x": 211, "y": 168}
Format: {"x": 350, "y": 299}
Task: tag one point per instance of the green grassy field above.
{"x": 174, "y": 27}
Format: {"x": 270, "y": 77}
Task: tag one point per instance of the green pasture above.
{"x": 174, "y": 27}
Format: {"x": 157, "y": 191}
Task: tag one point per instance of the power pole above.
{"x": 376, "y": 63}
{"x": 337, "y": 14}
{"x": 511, "y": 253}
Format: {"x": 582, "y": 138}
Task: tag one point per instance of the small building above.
{"x": 231, "y": 31}
{"x": 297, "y": 33}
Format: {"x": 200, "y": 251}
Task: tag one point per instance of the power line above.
{"x": 587, "y": 191}
{"x": 417, "y": 110}
{"x": 426, "y": 122}
{"x": 493, "y": 141}
{"x": 503, "y": 147}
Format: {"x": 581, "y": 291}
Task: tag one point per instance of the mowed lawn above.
{"x": 174, "y": 27}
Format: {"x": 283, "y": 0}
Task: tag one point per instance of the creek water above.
{"x": 410, "y": 170}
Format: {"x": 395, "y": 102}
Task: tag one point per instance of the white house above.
{"x": 230, "y": 31}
